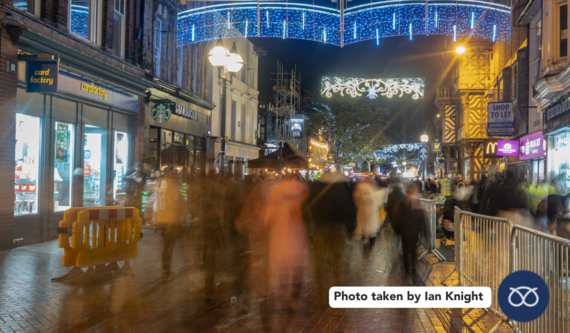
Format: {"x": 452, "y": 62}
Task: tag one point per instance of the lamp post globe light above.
{"x": 228, "y": 64}
{"x": 424, "y": 138}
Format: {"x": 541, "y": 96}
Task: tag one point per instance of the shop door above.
{"x": 94, "y": 166}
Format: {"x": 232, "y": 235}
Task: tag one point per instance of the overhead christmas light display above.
{"x": 365, "y": 22}
{"x": 373, "y": 88}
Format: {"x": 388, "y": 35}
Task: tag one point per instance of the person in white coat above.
{"x": 368, "y": 203}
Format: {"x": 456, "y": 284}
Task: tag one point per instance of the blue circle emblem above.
{"x": 523, "y": 296}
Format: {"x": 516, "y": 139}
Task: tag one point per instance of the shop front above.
{"x": 177, "y": 126}
{"x": 533, "y": 151}
{"x": 72, "y": 148}
{"x": 557, "y": 130}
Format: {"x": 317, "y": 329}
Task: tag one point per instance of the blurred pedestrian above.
{"x": 169, "y": 216}
{"x": 396, "y": 199}
{"x": 332, "y": 217}
{"x": 133, "y": 186}
{"x": 413, "y": 221}
{"x": 286, "y": 238}
{"x": 367, "y": 200}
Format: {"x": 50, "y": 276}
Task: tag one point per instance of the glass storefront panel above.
{"x": 95, "y": 160}
{"x": 27, "y": 164}
{"x": 120, "y": 161}
{"x": 63, "y": 168}
{"x": 559, "y": 162}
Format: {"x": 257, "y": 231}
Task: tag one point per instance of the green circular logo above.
{"x": 161, "y": 112}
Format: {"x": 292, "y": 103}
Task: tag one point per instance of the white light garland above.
{"x": 385, "y": 87}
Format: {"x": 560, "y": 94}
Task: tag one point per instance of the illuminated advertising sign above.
{"x": 41, "y": 76}
{"x": 533, "y": 146}
{"x": 507, "y": 148}
{"x": 297, "y": 128}
{"x": 490, "y": 147}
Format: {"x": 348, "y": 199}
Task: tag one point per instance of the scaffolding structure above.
{"x": 286, "y": 101}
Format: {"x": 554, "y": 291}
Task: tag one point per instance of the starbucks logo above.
{"x": 161, "y": 112}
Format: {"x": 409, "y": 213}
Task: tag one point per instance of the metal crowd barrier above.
{"x": 99, "y": 236}
{"x": 547, "y": 256}
{"x": 487, "y": 249}
{"x": 428, "y": 240}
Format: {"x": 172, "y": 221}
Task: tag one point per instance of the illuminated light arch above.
{"x": 365, "y": 22}
{"x": 373, "y": 88}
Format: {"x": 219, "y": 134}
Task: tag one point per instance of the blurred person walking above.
{"x": 133, "y": 186}
{"x": 332, "y": 217}
{"x": 368, "y": 205}
{"x": 413, "y": 221}
{"x": 286, "y": 239}
{"x": 169, "y": 216}
{"x": 396, "y": 199}
{"x": 217, "y": 237}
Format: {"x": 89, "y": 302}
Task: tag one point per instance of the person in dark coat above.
{"x": 331, "y": 215}
{"x": 396, "y": 198}
{"x": 136, "y": 181}
{"x": 413, "y": 221}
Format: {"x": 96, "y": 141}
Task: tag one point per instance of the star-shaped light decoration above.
{"x": 372, "y": 92}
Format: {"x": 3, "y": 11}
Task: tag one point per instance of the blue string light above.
{"x": 377, "y": 38}
{"x": 371, "y": 21}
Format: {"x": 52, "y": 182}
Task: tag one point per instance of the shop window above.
{"x": 563, "y": 21}
{"x": 157, "y": 45}
{"x": 27, "y": 164}
{"x": 94, "y": 170}
{"x": 178, "y": 138}
{"x": 119, "y": 28}
{"x": 85, "y": 19}
{"x": 190, "y": 140}
{"x": 120, "y": 163}
{"x": 233, "y": 123}
{"x": 242, "y": 121}
{"x": 30, "y": 6}
{"x": 165, "y": 136}
{"x": 63, "y": 168}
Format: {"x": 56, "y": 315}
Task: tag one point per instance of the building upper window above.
{"x": 85, "y": 19}
{"x": 119, "y": 28}
{"x": 30, "y": 6}
{"x": 539, "y": 34}
{"x": 157, "y": 45}
{"x": 563, "y": 31}
{"x": 515, "y": 79}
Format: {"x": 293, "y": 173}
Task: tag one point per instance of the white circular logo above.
{"x": 523, "y": 297}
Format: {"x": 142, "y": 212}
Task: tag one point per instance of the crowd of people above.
{"x": 301, "y": 223}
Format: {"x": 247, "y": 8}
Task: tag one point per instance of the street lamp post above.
{"x": 228, "y": 64}
{"x": 424, "y": 139}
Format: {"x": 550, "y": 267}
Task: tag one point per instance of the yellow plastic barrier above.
{"x": 104, "y": 235}
{"x": 70, "y": 255}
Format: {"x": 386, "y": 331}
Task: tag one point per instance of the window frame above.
{"x": 121, "y": 51}
{"x": 157, "y": 43}
{"x": 95, "y": 22}
{"x": 562, "y": 32}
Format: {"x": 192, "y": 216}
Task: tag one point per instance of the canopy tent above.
{"x": 293, "y": 158}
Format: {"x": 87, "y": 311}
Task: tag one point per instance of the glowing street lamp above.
{"x": 460, "y": 49}
{"x": 228, "y": 64}
{"x": 424, "y": 138}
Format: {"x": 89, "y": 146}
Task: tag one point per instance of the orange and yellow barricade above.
{"x": 99, "y": 236}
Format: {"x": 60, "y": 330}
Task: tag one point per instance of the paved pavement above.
{"x": 29, "y": 302}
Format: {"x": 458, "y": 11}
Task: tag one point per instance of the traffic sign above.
{"x": 423, "y": 153}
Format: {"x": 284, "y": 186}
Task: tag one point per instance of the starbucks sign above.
{"x": 161, "y": 112}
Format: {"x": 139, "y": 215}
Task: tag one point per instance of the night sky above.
{"x": 396, "y": 57}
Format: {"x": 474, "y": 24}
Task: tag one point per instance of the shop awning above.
{"x": 293, "y": 158}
